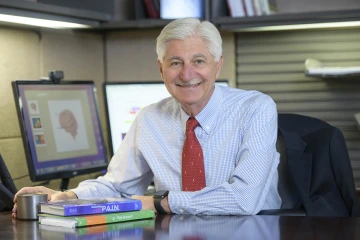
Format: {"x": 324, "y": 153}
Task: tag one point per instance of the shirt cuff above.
{"x": 81, "y": 193}
{"x": 179, "y": 202}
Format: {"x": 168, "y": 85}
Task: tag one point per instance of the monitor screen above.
{"x": 123, "y": 102}
{"x": 170, "y": 9}
{"x": 60, "y": 128}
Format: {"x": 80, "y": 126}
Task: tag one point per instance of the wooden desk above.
{"x": 194, "y": 227}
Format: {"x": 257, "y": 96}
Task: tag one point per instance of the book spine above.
{"x": 116, "y": 227}
{"x": 102, "y": 208}
{"x": 135, "y": 233}
{"x": 257, "y": 7}
{"x": 236, "y": 8}
{"x": 113, "y": 217}
{"x": 151, "y": 9}
{"x": 249, "y": 7}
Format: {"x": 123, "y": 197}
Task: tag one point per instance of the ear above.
{"x": 219, "y": 66}
{"x": 160, "y": 69}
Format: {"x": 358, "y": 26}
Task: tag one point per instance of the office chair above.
{"x": 315, "y": 174}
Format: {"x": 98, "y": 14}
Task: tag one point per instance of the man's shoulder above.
{"x": 164, "y": 106}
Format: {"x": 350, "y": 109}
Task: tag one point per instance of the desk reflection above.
{"x": 22, "y": 229}
{"x": 131, "y": 230}
{"x": 188, "y": 227}
{"x": 219, "y": 227}
{"x": 183, "y": 227}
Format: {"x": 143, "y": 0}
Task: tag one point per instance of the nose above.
{"x": 187, "y": 72}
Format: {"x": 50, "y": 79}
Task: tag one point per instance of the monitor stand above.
{"x": 64, "y": 184}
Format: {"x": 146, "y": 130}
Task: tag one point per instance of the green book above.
{"x": 122, "y": 230}
{"x": 89, "y": 220}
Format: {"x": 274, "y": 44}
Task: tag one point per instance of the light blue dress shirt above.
{"x": 238, "y": 131}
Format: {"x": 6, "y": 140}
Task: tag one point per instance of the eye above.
{"x": 175, "y": 63}
{"x": 199, "y": 61}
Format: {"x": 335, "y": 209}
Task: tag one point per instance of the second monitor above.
{"x": 123, "y": 102}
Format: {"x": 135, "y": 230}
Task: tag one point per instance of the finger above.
{"x": 27, "y": 190}
{"x": 63, "y": 195}
{"x": 14, "y": 210}
{"x": 58, "y": 196}
{"x": 37, "y": 189}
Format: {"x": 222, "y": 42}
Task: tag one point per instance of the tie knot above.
{"x": 191, "y": 124}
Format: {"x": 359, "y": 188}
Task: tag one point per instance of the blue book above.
{"x": 74, "y": 207}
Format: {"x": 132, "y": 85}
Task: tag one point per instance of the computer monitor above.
{"x": 124, "y": 100}
{"x": 61, "y": 129}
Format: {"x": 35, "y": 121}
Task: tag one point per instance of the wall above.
{"x": 28, "y": 54}
{"x": 273, "y": 62}
{"x": 131, "y": 56}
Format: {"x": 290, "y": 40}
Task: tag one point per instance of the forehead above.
{"x": 187, "y": 47}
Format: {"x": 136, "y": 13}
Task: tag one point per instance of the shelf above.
{"x": 246, "y": 23}
{"x": 134, "y": 24}
{"x": 317, "y": 68}
{"x": 215, "y": 11}
{"x": 16, "y": 13}
{"x": 142, "y": 22}
{"x": 53, "y": 9}
{"x": 235, "y": 24}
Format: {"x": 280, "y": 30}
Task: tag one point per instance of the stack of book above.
{"x": 86, "y": 212}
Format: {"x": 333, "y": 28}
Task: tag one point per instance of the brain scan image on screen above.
{"x": 68, "y": 123}
{"x": 33, "y": 107}
{"x": 36, "y": 122}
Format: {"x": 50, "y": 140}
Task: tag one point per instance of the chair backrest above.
{"x": 301, "y": 125}
{"x": 312, "y": 143}
{"x": 286, "y": 186}
{"x": 291, "y": 200}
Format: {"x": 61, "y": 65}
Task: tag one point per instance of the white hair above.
{"x": 190, "y": 27}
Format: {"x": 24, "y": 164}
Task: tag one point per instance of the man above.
{"x": 235, "y": 133}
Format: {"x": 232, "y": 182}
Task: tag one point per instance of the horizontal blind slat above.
{"x": 273, "y": 63}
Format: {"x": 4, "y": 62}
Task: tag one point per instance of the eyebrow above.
{"x": 194, "y": 56}
{"x": 174, "y": 58}
{"x": 199, "y": 55}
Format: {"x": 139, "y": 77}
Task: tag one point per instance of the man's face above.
{"x": 189, "y": 72}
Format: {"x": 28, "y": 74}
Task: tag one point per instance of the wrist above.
{"x": 165, "y": 205}
{"x": 160, "y": 202}
{"x": 70, "y": 194}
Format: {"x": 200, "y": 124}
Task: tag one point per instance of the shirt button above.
{"x": 181, "y": 210}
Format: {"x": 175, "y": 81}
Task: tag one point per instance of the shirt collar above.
{"x": 208, "y": 115}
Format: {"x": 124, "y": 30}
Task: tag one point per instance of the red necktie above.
{"x": 193, "y": 173}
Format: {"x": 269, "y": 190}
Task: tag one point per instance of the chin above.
{"x": 189, "y": 100}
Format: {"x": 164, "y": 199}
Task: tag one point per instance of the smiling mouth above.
{"x": 188, "y": 85}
